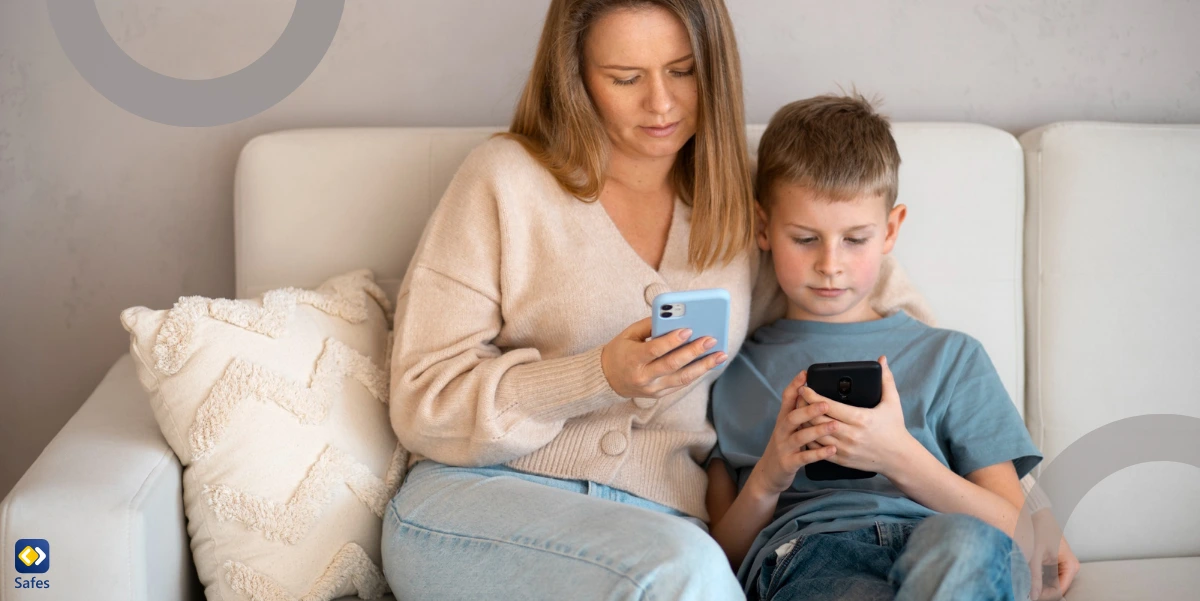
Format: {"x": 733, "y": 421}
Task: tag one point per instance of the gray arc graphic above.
{"x": 1112, "y": 448}
{"x": 1096, "y": 456}
{"x": 195, "y": 102}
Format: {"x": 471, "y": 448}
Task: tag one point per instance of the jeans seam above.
{"x": 1007, "y": 567}
{"x": 645, "y": 593}
{"x": 783, "y": 563}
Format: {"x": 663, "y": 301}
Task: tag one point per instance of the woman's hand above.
{"x": 873, "y": 440}
{"x": 636, "y": 367}
{"x": 788, "y": 451}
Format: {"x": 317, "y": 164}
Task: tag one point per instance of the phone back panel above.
{"x": 706, "y": 312}
{"x": 866, "y": 382}
{"x": 865, "y": 390}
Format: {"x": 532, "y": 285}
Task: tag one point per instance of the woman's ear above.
{"x": 895, "y": 220}
{"x": 760, "y": 228}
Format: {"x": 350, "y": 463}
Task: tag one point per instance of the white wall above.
{"x": 100, "y": 210}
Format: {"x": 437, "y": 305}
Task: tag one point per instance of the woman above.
{"x": 561, "y": 461}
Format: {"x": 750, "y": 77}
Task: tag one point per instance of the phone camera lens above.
{"x": 665, "y": 314}
{"x": 666, "y": 307}
{"x": 844, "y": 387}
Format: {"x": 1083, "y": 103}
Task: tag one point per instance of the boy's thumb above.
{"x": 1035, "y": 579}
{"x": 889, "y": 391}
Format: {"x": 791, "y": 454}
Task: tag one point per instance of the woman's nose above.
{"x": 660, "y": 100}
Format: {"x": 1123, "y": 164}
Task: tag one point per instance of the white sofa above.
{"x": 1071, "y": 255}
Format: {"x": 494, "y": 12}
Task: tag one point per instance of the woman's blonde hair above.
{"x": 557, "y": 122}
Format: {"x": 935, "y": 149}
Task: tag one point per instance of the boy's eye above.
{"x": 856, "y": 240}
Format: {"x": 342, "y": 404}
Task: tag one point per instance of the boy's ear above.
{"x": 895, "y": 220}
{"x": 760, "y": 228}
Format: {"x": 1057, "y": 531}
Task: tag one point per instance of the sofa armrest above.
{"x": 107, "y": 495}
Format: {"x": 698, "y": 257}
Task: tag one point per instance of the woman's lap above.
{"x": 495, "y": 533}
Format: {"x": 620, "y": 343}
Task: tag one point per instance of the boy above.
{"x": 946, "y": 441}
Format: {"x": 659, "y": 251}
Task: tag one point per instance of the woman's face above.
{"x": 639, "y": 70}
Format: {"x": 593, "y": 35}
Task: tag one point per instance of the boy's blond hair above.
{"x": 837, "y": 146}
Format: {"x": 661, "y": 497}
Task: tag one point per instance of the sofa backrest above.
{"x": 316, "y": 202}
{"x": 1111, "y": 260}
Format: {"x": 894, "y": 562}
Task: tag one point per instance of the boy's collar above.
{"x": 797, "y": 326}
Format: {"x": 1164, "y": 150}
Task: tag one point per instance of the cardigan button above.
{"x": 654, "y": 290}
{"x": 613, "y": 443}
{"x": 645, "y": 402}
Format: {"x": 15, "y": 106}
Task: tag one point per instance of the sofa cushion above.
{"x": 1167, "y": 578}
{"x": 1110, "y": 268}
{"x": 276, "y": 408}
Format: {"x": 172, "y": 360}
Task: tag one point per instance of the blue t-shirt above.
{"x": 953, "y": 401}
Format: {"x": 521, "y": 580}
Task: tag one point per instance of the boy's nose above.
{"x": 828, "y": 264}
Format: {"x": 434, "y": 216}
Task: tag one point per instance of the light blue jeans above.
{"x": 496, "y": 533}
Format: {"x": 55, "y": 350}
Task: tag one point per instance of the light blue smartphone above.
{"x": 706, "y": 312}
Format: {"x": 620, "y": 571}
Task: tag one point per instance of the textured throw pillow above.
{"x": 277, "y": 409}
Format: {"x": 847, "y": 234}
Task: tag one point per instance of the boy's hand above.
{"x": 788, "y": 451}
{"x": 1051, "y": 554}
{"x": 874, "y": 440}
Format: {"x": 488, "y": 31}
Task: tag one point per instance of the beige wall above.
{"x": 100, "y": 210}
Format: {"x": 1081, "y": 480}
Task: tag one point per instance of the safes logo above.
{"x": 32, "y": 557}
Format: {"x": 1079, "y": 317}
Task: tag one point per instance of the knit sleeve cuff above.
{"x": 558, "y": 389}
{"x": 1034, "y": 497}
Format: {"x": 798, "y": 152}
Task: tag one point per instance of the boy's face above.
{"x": 827, "y": 253}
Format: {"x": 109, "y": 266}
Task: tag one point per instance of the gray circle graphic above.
{"x": 1096, "y": 456}
{"x": 195, "y": 102}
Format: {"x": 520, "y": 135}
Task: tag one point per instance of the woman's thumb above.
{"x": 638, "y": 331}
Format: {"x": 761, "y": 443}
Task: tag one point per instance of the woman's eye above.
{"x": 626, "y": 82}
{"x": 804, "y": 240}
{"x": 687, "y": 73}
{"x": 856, "y": 240}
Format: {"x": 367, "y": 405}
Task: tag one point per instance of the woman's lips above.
{"x": 661, "y": 132}
{"x": 828, "y": 292}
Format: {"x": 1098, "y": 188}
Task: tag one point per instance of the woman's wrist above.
{"x": 605, "y": 369}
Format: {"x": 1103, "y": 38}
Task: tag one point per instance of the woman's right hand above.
{"x": 788, "y": 451}
{"x": 640, "y": 368}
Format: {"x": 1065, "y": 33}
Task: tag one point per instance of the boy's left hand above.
{"x": 1052, "y": 563}
{"x": 874, "y": 440}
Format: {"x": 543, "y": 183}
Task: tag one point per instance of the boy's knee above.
{"x": 962, "y": 536}
{"x": 963, "y": 555}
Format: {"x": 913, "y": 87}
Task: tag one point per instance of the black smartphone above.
{"x": 858, "y": 383}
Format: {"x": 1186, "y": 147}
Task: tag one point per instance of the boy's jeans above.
{"x": 496, "y": 533}
{"x": 947, "y": 556}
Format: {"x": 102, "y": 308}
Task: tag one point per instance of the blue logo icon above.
{"x": 32, "y": 555}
